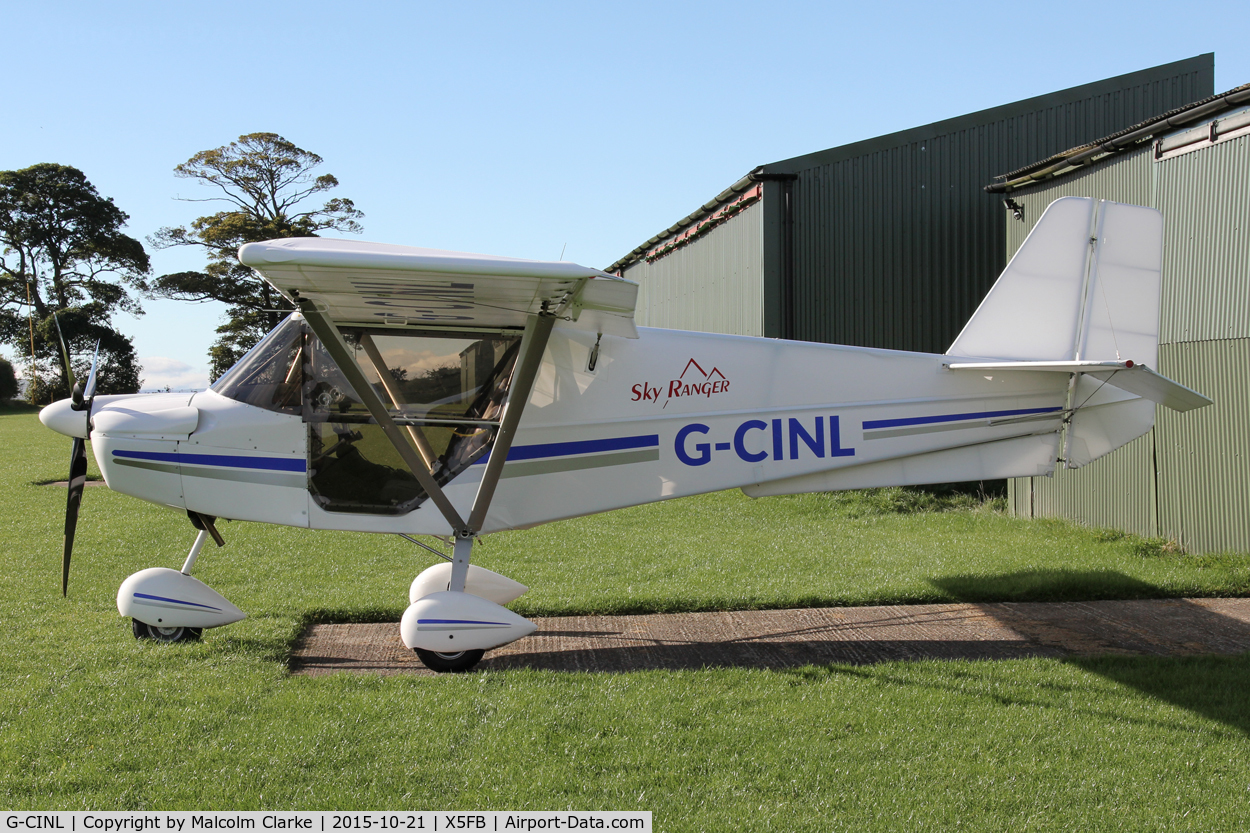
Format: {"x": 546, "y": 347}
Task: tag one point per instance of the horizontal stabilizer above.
{"x": 1147, "y": 384}
{"x": 1125, "y": 375}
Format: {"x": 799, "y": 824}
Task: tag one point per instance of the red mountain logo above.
{"x": 693, "y": 381}
{"x": 702, "y": 372}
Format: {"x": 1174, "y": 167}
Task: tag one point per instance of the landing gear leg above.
{"x": 460, "y": 554}
{"x": 195, "y": 552}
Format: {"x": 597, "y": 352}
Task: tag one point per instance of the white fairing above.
{"x": 479, "y": 582}
{"x": 166, "y": 598}
{"x": 62, "y": 418}
{"x": 165, "y": 423}
{"x": 135, "y": 440}
{"x": 450, "y": 622}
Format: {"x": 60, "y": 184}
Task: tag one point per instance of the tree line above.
{"x": 67, "y": 267}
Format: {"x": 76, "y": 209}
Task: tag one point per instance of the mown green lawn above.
{"x": 90, "y": 718}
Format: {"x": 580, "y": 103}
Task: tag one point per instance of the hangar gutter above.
{"x": 706, "y": 210}
{"x": 1130, "y": 138}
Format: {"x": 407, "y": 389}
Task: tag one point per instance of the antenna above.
{"x": 562, "y": 248}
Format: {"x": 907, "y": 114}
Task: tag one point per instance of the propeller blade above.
{"x": 77, "y": 480}
{"x": 77, "y": 463}
{"x": 64, "y": 350}
{"x": 89, "y": 390}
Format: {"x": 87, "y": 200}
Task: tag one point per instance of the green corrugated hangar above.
{"x": 892, "y": 242}
{"x": 888, "y": 242}
{"x": 1188, "y": 480}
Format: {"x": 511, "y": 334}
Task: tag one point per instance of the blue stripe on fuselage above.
{"x": 928, "y": 420}
{"x": 540, "y": 450}
{"x": 267, "y": 463}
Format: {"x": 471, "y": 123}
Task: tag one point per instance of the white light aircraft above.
{"x": 424, "y": 392}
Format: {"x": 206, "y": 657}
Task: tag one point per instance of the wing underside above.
{"x": 371, "y": 284}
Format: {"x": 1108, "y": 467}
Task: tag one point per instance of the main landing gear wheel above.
{"x": 143, "y": 630}
{"x": 449, "y": 663}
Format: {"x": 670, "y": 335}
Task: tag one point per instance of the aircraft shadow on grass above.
{"x": 1119, "y": 627}
{"x": 1175, "y": 650}
{"x": 1104, "y": 622}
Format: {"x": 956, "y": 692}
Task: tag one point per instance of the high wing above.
{"x": 336, "y": 283}
{"x": 354, "y": 282}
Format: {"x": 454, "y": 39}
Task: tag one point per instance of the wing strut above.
{"x": 332, "y": 339}
{"x": 537, "y": 330}
{"x": 534, "y": 344}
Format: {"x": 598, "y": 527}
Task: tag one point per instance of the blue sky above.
{"x": 525, "y": 129}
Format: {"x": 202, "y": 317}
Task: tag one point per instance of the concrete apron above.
{"x": 816, "y": 636}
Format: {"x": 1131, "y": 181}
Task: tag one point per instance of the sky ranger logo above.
{"x": 693, "y": 381}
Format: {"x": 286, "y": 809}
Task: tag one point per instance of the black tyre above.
{"x": 142, "y": 630}
{"x": 454, "y": 663}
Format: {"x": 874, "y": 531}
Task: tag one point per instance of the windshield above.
{"x": 270, "y": 375}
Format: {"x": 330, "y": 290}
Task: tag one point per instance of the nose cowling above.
{"x": 62, "y": 418}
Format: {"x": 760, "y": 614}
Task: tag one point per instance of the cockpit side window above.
{"x": 270, "y": 376}
{"x": 445, "y": 391}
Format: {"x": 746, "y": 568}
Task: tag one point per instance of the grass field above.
{"x": 90, "y": 718}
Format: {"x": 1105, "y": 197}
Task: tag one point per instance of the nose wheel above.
{"x": 142, "y": 630}
{"x": 449, "y": 663}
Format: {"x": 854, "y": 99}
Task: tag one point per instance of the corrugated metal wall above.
{"x": 1204, "y": 196}
{"x": 714, "y": 284}
{"x": 895, "y": 243}
{"x": 1204, "y": 455}
{"x": 1189, "y": 479}
{"x": 1116, "y": 491}
{"x": 1130, "y": 179}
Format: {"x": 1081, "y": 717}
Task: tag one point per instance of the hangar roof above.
{"x": 790, "y": 168}
{"x": 1130, "y": 138}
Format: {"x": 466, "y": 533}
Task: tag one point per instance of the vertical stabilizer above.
{"x": 1120, "y": 321}
{"x": 1084, "y": 286}
{"x": 1033, "y": 311}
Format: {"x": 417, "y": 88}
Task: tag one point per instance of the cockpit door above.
{"x": 446, "y": 390}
